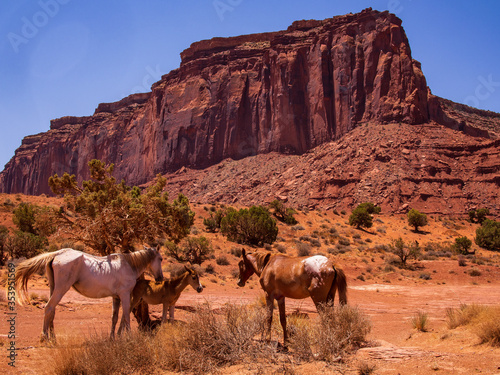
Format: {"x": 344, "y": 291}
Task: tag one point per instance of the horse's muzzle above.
{"x": 241, "y": 283}
{"x": 159, "y": 279}
{"x": 199, "y": 289}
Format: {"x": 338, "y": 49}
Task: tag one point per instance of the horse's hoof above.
{"x": 50, "y": 340}
{"x": 282, "y": 348}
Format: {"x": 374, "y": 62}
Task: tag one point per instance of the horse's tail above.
{"x": 339, "y": 283}
{"x": 30, "y": 266}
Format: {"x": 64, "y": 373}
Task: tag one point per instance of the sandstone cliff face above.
{"x": 287, "y": 91}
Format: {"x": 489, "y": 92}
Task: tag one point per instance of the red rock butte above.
{"x": 283, "y": 92}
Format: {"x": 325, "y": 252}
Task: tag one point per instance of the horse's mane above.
{"x": 140, "y": 259}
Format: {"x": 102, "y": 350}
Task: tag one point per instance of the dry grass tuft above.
{"x": 483, "y": 320}
{"x": 462, "y": 316}
{"x": 339, "y": 331}
{"x": 212, "y": 339}
{"x": 420, "y": 321}
{"x": 365, "y": 368}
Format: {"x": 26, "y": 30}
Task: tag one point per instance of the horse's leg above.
{"x": 114, "y": 319}
{"x": 269, "y": 309}
{"x": 281, "y": 307}
{"x": 171, "y": 313}
{"x": 49, "y": 273}
{"x": 125, "y": 323}
{"x": 50, "y": 311}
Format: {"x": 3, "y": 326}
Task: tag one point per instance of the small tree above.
{"x": 370, "y": 207}
{"x": 361, "y": 216}
{"x": 4, "y": 235}
{"x": 478, "y": 215}
{"x": 283, "y": 213}
{"x": 194, "y": 250}
{"x": 416, "y": 219}
{"x": 488, "y": 235}
{"x": 107, "y": 215}
{"x": 212, "y": 223}
{"x": 24, "y": 217}
{"x": 404, "y": 251}
{"x": 462, "y": 245}
{"x": 481, "y": 214}
{"x": 253, "y": 226}
{"x": 25, "y": 244}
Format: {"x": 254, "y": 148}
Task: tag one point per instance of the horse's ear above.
{"x": 243, "y": 252}
{"x": 266, "y": 259}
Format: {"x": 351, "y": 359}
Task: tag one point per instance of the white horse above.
{"x": 92, "y": 276}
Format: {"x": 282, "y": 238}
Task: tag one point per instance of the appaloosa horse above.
{"x": 293, "y": 277}
{"x": 92, "y": 276}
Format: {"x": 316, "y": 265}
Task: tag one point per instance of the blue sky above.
{"x": 64, "y": 57}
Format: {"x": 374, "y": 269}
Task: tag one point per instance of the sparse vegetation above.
{"x": 107, "y": 215}
{"x": 420, "y": 321}
{"x": 194, "y": 250}
{"x": 212, "y": 223}
{"x": 416, "y": 219}
{"x": 479, "y": 215}
{"x": 283, "y": 213}
{"x": 210, "y": 340}
{"x": 483, "y": 320}
{"x": 361, "y": 216}
{"x": 404, "y": 251}
{"x": 253, "y": 226}
{"x": 462, "y": 245}
{"x": 488, "y": 235}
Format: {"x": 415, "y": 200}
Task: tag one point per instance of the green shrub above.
{"x": 416, "y": 219}
{"x": 253, "y": 226}
{"x": 462, "y": 245}
{"x": 404, "y": 250}
{"x": 23, "y": 244}
{"x": 4, "y": 235}
{"x": 24, "y": 217}
{"x": 488, "y": 235}
{"x": 194, "y": 250}
{"x": 478, "y": 215}
{"x": 361, "y": 216}
{"x": 213, "y": 222}
{"x": 283, "y": 213}
{"x": 370, "y": 208}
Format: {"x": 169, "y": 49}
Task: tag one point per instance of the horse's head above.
{"x": 155, "y": 265}
{"x": 246, "y": 269}
{"x": 194, "y": 279}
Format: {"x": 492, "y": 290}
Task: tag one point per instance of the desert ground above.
{"x": 387, "y": 294}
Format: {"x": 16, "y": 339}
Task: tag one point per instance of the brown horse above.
{"x": 294, "y": 277}
{"x": 166, "y": 292}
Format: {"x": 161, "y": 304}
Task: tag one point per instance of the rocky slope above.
{"x": 285, "y": 92}
{"x": 397, "y": 166}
